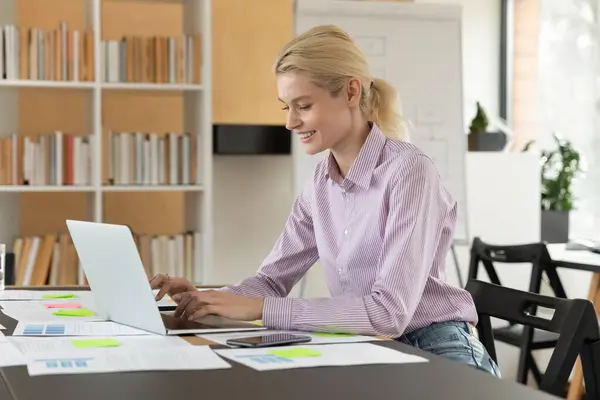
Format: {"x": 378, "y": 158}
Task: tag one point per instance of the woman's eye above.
{"x": 305, "y": 107}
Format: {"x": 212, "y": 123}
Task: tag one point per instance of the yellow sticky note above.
{"x": 333, "y": 335}
{"x": 91, "y": 343}
{"x": 259, "y": 323}
{"x": 296, "y": 352}
{"x": 78, "y": 312}
{"x": 58, "y": 296}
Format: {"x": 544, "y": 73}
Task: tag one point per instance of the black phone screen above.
{"x": 269, "y": 340}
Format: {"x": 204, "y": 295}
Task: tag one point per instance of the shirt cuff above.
{"x": 277, "y": 313}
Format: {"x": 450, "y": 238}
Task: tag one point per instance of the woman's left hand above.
{"x": 197, "y": 304}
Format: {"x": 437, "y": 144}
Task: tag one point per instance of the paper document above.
{"x": 34, "y": 346}
{"x": 39, "y": 311}
{"x": 316, "y": 338}
{"x": 287, "y": 357}
{"x": 106, "y": 328}
{"x": 127, "y": 359}
{"x": 10, "y": 355}
{"x": 45, "y": 294}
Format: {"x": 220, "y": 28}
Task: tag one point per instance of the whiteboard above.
{"x": 417, "y": 48}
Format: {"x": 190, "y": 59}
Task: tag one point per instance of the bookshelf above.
{"x": 116, "y": 128}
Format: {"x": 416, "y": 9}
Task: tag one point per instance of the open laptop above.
{"x": 121, "y": 289}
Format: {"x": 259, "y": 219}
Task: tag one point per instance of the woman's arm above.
{"x": 293, "y": 254}
{"x": 418, "y": 216}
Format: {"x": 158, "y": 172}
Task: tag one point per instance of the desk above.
{"x": 437, "y": 379}
{"x": 585, "y": 261}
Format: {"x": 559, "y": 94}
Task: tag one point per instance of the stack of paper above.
{"x": 48, "y": 311}
{"x": 287, "y": 357}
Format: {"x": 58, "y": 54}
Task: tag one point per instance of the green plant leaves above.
{"x": 559, "y": 169}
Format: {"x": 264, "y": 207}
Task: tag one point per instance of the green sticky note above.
{"x": 333, "y": 335}
{"x": 58, "y": 296}
{"x": 259, "y": 323}
{"x": 91, "y": 343}
{"x": 296, "y": 352}
{"x": 77, "y": 312}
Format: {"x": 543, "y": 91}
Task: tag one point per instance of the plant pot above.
{"x": 487, "y": 141}
{"x": 555, "y": 226}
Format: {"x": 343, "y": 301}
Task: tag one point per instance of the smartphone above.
{"x": 276, "y": 339}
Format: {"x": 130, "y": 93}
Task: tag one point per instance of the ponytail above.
{"x": 330, "y": 57}
{"x": 382, "y": 107}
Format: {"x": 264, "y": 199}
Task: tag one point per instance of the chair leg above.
{"x": 525, "y": 359}
{"x": 590, "y": 364}
{"x": 576, "y": 385}
{"x": 537, "y": 375}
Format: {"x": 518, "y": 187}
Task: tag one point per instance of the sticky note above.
{"x": 333, "y": 335}
{"x": 91, "y": 343}
{"x": 58, "y": 296}
{"x": 80, "y": 312}
{"x": 259, "y": 323}
{"x": 297, "y": 352}
{"x": 65, "y": 305}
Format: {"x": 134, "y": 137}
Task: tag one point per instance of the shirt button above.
{"x": 345, "y": 231}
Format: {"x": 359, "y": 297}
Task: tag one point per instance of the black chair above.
{"x": 574, "y": 320}
{"x": 527, "y": 339}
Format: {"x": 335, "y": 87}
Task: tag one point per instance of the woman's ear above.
{"x": 353, "y": 92}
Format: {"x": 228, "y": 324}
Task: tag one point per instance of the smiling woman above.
{"x": 375, "y": 214}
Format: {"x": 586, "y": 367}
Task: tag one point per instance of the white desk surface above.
{"x": 558, "y": 252}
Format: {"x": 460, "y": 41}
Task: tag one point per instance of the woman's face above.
{"x": 320, "y": 119}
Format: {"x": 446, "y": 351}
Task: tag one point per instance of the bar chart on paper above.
{"x": 44, "y": 329}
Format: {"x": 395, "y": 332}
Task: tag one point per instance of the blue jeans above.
{"x": 452, "y": 340}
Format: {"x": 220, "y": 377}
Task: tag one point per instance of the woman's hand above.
{"x": 170, "y": 286}
{"x": 196, "y": 304}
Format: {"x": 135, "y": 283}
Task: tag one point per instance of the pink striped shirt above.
{"x": 381, "y": 234}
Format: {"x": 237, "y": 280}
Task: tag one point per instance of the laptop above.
{"x": 121, "y": 289}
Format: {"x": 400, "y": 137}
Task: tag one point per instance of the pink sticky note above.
{"x": 67, "y": 305}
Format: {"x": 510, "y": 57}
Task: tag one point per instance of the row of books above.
{"x": 52, "y": 259}
{"x": 157, "y": 59}
{"x": 60, "y": 54}
{"x": 46, "y": 159}
{"x": 139, "y": 158}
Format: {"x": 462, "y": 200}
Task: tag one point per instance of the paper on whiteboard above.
{"x": 288, "y": 357}
{"x": 127, "y": 359}
{"x": 105, "y": 328}
{"x": 316, "y": 338}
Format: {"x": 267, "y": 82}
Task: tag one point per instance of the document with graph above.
{"x": 126, "y": 359}
{"x": 287, "y": 357}
{"x": 105, "y": 328}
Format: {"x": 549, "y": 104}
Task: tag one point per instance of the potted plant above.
{"x": 560, "y": 167}
{"x": 479, "y": 138}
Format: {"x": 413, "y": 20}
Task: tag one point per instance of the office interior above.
{"x": 529, "y": 167}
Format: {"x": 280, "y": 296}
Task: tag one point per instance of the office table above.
{"x": 582, "y": 260}
{"x": 437, "y": 379}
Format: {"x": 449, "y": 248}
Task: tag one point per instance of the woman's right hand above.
{"x": 170, "y": 286}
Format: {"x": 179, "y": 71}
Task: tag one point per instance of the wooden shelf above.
{"x": 30, "y": 189}
{"x": 47, "y": 84}
{"x": 151, "y": 86}
{"x": 153, "y": 188}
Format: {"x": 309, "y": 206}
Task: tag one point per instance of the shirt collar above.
{"x": 362, "y": 170}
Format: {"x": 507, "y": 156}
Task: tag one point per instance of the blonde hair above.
{"x": 330, "y": 57}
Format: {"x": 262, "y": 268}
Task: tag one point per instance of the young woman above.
{"x": 375, "y": 215}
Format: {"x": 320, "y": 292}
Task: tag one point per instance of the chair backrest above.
{"x": 574, "y": 320}
{"x": 481, "y": 252}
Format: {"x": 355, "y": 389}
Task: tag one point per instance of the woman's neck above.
{"x": 345, "y": 152}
